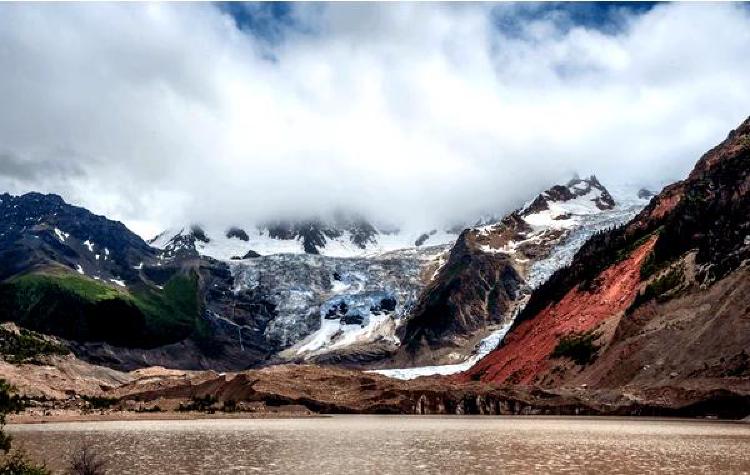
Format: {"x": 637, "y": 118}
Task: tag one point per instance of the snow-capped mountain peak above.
{"x": 579, "y": 196}
{"x": 350, "y": 238}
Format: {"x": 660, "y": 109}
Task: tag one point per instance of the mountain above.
{"x": 354, "y": 310}
{"x": 121, "y": 302}
{"x": 37, "y": 230}
{"x": 344, "y": 235}
{"x": 602, "y": 306}
{"x": 659, "y": 306}
{"x": 492, "y": 269}
{"x": 133, "y": 304}
{"x": 68, "y": 272}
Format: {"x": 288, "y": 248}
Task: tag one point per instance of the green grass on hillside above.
{"x": 660, "y": 289}
{"x": 579, "y": 347}
{"x": 35, "y": 285}
{"x": 84, "y": 309}
{"x": 175, "y": 308}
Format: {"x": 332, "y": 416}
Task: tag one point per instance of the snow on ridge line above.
{"x": 221, "y": 247}
{"x": 562, "y": 254}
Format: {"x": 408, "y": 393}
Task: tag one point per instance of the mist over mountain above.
{"x": 159, "y": 115}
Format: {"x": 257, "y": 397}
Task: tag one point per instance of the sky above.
{"x": 411, "y": 114}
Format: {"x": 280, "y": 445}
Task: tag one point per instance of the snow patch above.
{"x": 62, "y": 236}
{"x": 573, "y": 209}
{"x": 483, "y": 349}
{"x": 587, "y": 225}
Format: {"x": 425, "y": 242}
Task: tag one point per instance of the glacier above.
{"x": 349, "y": 296}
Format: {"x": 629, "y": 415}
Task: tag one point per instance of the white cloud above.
{"x": 155, "y": 114}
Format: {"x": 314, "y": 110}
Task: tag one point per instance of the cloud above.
{"x": 157, "y": 114}
{"x": 13, "y": 167}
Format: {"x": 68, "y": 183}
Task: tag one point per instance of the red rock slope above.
{"x": 526, "y": 351}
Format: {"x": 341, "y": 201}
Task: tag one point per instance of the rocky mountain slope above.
{"x": 67, "y": 272}
{"x": 37, "y": 229}
{"x": 70, "y": 273}
{"x": 658, "y": 304}
{"x": 353, "y": 310}
{"x": 120, "y": 302}
{"x": 492, "y": 269}
{"x": 175, "y": 307}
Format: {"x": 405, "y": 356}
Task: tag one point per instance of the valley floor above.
{"x": 64, "y": 388}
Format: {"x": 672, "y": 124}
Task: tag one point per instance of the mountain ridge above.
{"x": 685, "y": 258}
{"x": 238, "y": 317}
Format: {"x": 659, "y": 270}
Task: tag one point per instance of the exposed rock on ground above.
{"x": 305, "y": 389}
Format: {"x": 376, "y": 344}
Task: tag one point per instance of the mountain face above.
{"x": 37, "y": 230}
{"x": 362, "y": 309}
{"x": 492, "y": 269}
{"x": 68, "y": 272}
{"x": 366, "y": 295}
{"x": 472, "y": 290}
{"x": 338, "y": 310}
{"x": 660, "y": 305}
{"x": 118, "y": 301}
{"x": 316, "y": 291}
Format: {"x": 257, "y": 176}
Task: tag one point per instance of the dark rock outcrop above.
{"x": 645, "y": 194}
{"x": 235, "y": 232}
{"x": 575, "y": 188}
{"x": 473, "y": 289}
{"x": 315, "y": 233}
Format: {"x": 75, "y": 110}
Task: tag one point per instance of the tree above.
{"x": 13, "y": 462}
{"x": 86, "y": 462}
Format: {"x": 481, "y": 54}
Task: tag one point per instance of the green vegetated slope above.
{"x": 83, "y": 309}
{"x": 24, "y": 346}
